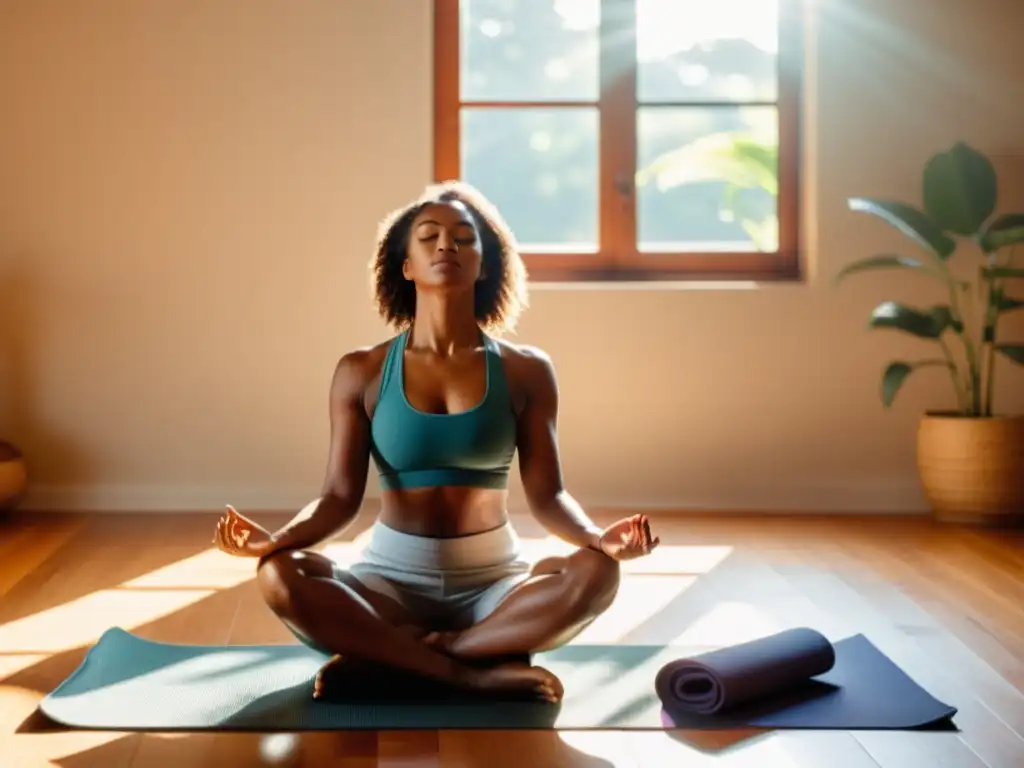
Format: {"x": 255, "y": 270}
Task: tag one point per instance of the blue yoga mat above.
{"x": 128, "y": 683}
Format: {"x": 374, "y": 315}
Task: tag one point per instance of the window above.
{"x": 628, "y": 139}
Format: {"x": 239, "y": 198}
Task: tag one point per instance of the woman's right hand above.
{"x": 239, "y": 536}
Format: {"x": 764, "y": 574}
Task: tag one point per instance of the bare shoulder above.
{"x": 530, "y": 366}
{"x": 357, "y": 369}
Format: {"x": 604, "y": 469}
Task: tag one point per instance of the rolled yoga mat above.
{"x": 728, "y": 678}
{"x": 128, "y": 683}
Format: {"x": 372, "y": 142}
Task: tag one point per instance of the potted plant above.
{"x": 971, "y": 459}
{"x": 13, "y": 477}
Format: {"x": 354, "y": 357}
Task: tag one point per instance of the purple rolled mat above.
{"x": 720, "y": 680}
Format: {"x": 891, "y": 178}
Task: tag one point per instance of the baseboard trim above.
{"x": 861, "y": 498}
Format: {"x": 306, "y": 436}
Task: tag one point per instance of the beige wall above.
{"x": 189, "y": 193}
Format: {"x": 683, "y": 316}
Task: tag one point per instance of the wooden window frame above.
{"x": 618, "y": 258}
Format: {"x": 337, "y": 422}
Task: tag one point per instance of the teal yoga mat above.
{"x": 128, "y": 683}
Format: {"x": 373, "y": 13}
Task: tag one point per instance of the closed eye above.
{"x": 461, "y": 241}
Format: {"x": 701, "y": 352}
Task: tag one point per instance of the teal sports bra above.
{"x": 415, "y": 449}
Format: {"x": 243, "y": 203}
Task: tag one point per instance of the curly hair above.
{"x": 500, "y": 295}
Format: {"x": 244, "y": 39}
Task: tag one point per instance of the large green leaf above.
{"x": 960, "y": 189}
{"x": 908, "y": 220}
{"x": 896, "y": 316}
{"x": 1004, "y": 303}
{"x": 1013, "y": 352}
{"x": 884, "y": 261}
{"x": 897, "y": 372}
{"x": 999, "y": 272}
{"x": 1004, "y": 230}
{"x": 943, "y": 317}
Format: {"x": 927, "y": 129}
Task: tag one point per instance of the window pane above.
{"x": 540, "y": 167}
{"x": 696, "y": 50}
{"x": 707, "y": 179}
{"x": 529, "y": 51}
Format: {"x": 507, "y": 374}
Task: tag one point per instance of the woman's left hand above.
{"x": 629, "y": 538}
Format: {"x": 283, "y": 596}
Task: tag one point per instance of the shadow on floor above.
{"x": 45, "y": 675}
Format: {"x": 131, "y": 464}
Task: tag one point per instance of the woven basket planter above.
{"x": 972, "y": 469}
{"x": 13, "y": 477}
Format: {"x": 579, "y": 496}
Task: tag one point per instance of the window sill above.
{"x": 664, "y": 271}
{"x": 625, "y": 286}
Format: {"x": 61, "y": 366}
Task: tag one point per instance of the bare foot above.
{"x": 517, "y": 678}
{"x": 353, "y": 679}
{"x": 442, "y": 642}
{"x": 328, "y": 675}
{"x": 355, "y": 675}
{"x": 493, "y": 676}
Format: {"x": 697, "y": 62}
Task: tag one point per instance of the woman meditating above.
{"x": 441, "y": 591}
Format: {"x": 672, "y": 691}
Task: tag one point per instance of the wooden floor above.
{"x": 946, "y": 604}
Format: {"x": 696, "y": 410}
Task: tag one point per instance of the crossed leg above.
{"x": 337, "y": 615}
{"x": 559, "y": 599}
{"x": 326, "y": 610}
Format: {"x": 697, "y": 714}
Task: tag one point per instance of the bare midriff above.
{"x": 444, "y": 512}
